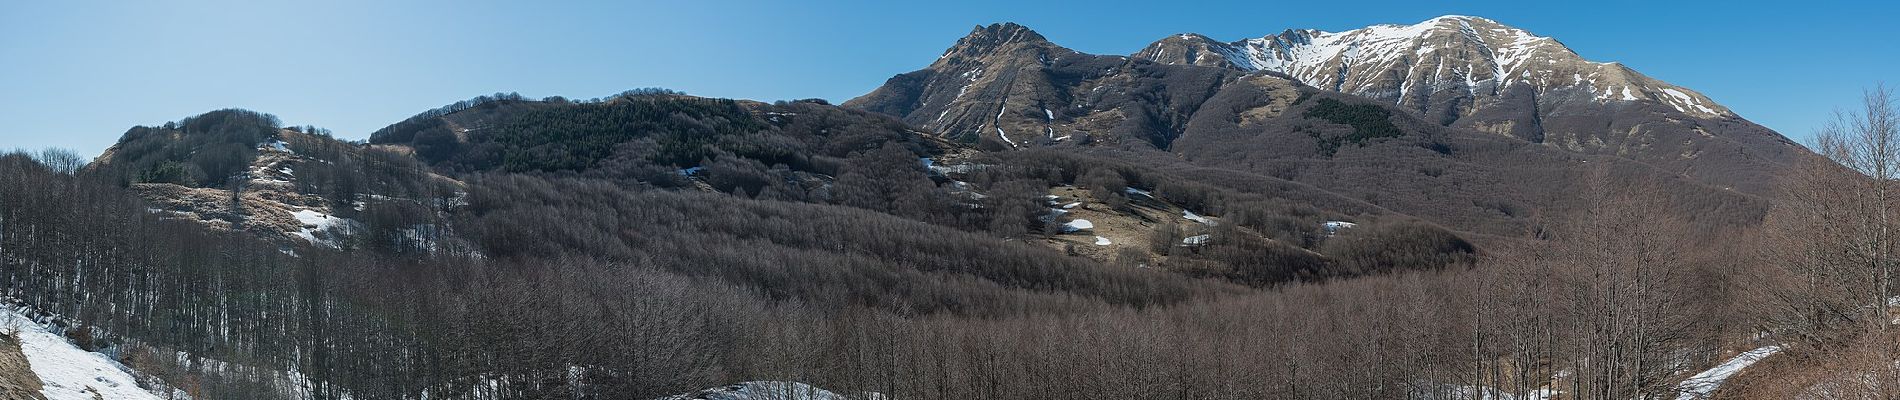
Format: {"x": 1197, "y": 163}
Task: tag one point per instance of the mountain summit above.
{"x": 1004, "y": 38}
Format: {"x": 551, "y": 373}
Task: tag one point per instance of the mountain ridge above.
{"x": 1491, "y": 172}
{"x": 1010, "y": 87}
{"x": 1508, "y": 56}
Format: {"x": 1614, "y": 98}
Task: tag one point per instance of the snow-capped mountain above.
{"x": 1005, "y": 86}
{"x": 1447, "y": 66}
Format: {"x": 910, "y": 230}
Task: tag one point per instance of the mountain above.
{"x": 1476, "y": 73}
{"x": 1007, "y": 84}
{"x": 1006, "y": 87}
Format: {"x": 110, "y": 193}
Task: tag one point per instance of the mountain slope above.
{"x": 1476, "y": 73}
{"x": 1005, "y": 86}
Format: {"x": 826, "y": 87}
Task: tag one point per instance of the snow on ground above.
{"x": 1078, "y": 225}
{"x": 1138, "y": 192}
{"x": 67, "y": 372}
{"x": 1102, "y": 241}
{"x": 1685, "y": 103}
{"x": 766, "y": 390}
{"x": 1702, "y": 384}
{"x": 1333, "y": 227}
{"x": 1195, "y": 240}
{"x": 1071, "y": 206}
{"x": 313, "y": 221}
{"x": 964, "y": 188}
{"x": 1191, "y": 216}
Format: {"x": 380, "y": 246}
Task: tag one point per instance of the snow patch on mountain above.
{"x": 1686, "y": 103}
{"x": 67, "y": 372}
{"x": 312, "y": 221}
{"x": 1191, "y": 216}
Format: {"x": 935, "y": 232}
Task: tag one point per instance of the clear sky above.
{"x": 76, "y": 74}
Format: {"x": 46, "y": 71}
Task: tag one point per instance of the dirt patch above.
{"x": 17, "y": 381}
{"x": 1280, "y": 96}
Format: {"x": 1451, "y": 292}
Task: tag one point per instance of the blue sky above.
{"x": 77, "y": 74}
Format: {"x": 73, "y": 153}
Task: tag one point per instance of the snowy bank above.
{"x": 66, "y": 371}
{"x": 1705, "y": 383}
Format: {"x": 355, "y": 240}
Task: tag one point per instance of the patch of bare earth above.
{"x": 17, "y": 381}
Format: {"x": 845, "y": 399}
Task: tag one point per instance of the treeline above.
{"x": 406, "y": 129}
{"x": 643, "y": 137}
{"x": 206, "y": 150}
{"x": 1368, "y": 122}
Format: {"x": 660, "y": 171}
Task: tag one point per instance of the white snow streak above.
{"x": 1191, "y": 216}
{"x": 1705, "y": 383}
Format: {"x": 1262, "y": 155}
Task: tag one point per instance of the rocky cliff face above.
{"x": 1005, "y": 86}
{"x": 971, "y": 90}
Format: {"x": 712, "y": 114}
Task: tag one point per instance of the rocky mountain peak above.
{"x": 986, "y": 42}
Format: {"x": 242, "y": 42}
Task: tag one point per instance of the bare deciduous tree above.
{"x": 1835, "y": 240}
